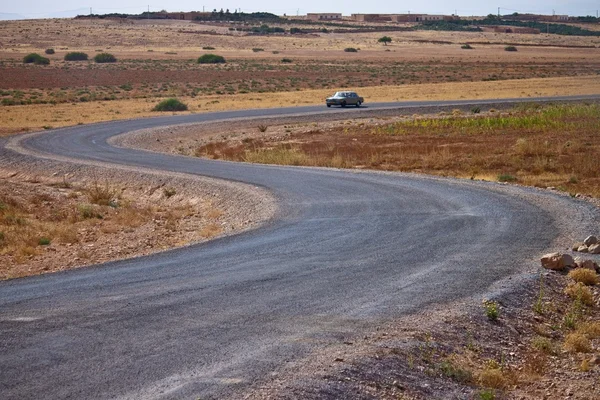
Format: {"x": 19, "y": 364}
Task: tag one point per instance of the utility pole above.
{"x": 148, "y": 12}
{"x": 498, "y": 12}
{"x": 91, "y": 11}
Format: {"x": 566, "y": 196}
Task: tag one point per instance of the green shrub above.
{"x": 211, "y": 59}
{"x": 506, "y": 178}
{"x": 35, "y": 58}
{"x": 350, "y": 50}
{"x": 76, "y": 56}
{"x": 510, "y": 48}
{"x": 208, "y": 48}
{"x": 286, "y": 60}
{"x": 476, "y": 110}
{"x": 492, "y": 310}
{"x": 104, "y": 58}
{"x": 49, "y": 51}
{"x": 257, "y": 49}
{"x": 170, "y": 105}
{"x": 385, "y": 40}
{"x": 44, "y": 241}
{"x": 466, "y": 47}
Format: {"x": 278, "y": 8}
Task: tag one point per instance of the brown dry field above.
{"x": 157, "y": 60}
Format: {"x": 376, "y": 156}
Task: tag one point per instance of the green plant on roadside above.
{"x": 44, "y": 241}
{"x": 538, "y": 306}
{"x": 573, "y": 315}
{"x": 351, "y": 50}
{"x": 506, "y": 178}
{"x": 510, "y": 48}
{"x": 49, "y": 51}
{"x": 170, "y": 105}
{"x": 466, "y": 46}
{"x": 487, "y": 394}
{"x": 492, "y": 309}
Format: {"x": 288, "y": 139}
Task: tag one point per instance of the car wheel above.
{"x": 344, "y": 104}
{"x": 358, "y": 104}
{"x": 328, "y": 105}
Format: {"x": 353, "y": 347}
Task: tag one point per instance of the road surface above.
{"x": 346, "y": 251}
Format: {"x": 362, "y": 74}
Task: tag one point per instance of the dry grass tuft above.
{"x": 577, "y": 343}
{"x": 210, "y": 230}
{"x": 493, "y": 378}
{"x": 585, "y": 276}
{"x": 102, "y": 195}
{"x": 578, "y": 291}
{"x": 589, "y": 329}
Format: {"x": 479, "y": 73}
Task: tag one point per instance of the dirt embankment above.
{"x": 56, "y": 215}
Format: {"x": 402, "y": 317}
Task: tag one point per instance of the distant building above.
{"x": 324, "y": 16}
{"x": 536, "y": 17}
{"x": 400, "y": 17}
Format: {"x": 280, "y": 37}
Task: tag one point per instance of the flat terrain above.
{"x": 315, "y": 302}
{"x": 157, "y": 59}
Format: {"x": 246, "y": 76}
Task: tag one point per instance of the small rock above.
{"x": 338, "y": 359}
{"x": 589, "y": 264}
{"x": 576, "y": 246}
{"x": 594, "y": 248}
{"x": 557, "y": 261}
{"x": 579, "y": 262}
{"x": 590, "y": 240}
{"x": 583, "y": 249}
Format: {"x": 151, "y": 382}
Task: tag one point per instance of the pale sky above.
{"x": 44, "y": 8}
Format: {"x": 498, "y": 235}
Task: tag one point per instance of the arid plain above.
{"x": 52, "y": 212}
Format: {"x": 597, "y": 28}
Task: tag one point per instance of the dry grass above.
{"x": 210, "y": 230}
{"x": 589, "y": 329}
{"x": 532, "y": 145}
{"x": 584, "y": 276}
{"x": 36, "y": 116}
{"x": 577, "y": 343}
{"x": 578, "y": 291}
{"x": 493, "y": 378}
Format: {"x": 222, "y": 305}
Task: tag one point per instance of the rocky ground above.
{"x": 58, "y": 215}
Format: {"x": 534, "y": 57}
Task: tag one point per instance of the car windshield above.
{"x": 339, "y": 94}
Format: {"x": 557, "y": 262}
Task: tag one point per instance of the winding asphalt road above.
{"x": 347, "y": 250}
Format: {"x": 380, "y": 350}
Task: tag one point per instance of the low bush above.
{"x": 257, "y": 49}
{"x": 170, "y": 105}
{"x": 585, "y": 276}
{"x": 49, "y": 51}
{"x": 510, "y": 48}
{"x": 351, "y": 50}
{"x": 76, "y": 56}
{"x": 577, "y": 343}
{"x": 286, "y": 60}
{"x": 104, "y": 58}
{"x": 44, "y": 241}
{"x": 211, "y": 59}
{"x": 466, "y": 47}
{"x": 476, "y": 110}
{"x": 578, "y": 291}
{"x": 208, "y": 48}
{"x": 506, "y": 178}
{"x": 35, "y": 58}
